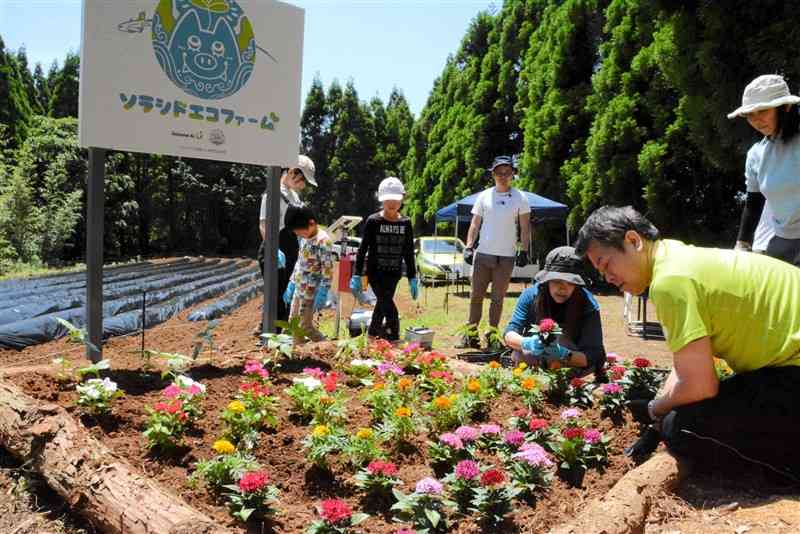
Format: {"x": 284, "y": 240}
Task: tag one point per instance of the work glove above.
{"x": 468, "y": 255}
{"x": 321, "y": 298}
{"x": 288, "y": 294}
{"x": 639, "y": 411}
{"x": 645, "y": 445}
{"x": 533, "y": 345}
{"x": 555, "y": 351}
{"x": 413, "y": 285}
{"x": 522, "y": 258}
{"x": 743, "y": 245}
{"x": 281, "y": 259}
{"x": 356, "y": 289}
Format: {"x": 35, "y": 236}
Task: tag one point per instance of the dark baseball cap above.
{"x": 502, "y": 160}
{"x": 562, "y": 264}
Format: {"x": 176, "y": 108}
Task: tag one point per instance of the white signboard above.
{"x": 214, "y": 79}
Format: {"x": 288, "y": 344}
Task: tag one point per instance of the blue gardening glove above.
{"x": 321, "y": 298}
{"x": 413, "y": 285}
{"x": 281, "y": 259}
{"x": 554, "y": 351}
{"x": 356, "y": 289}
{"x": 533, "y": 345}
{"x": 288, "y": 294}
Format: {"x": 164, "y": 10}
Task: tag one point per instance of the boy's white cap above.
{"x": 391, "y": 188}
{"x": 306, "y": 166}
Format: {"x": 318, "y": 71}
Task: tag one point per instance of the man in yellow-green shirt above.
{"x": 735, "y": 305}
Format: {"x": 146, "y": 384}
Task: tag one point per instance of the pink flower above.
{"x": 412, "y": 347}
{"x": 405, "y": 531}
{"x": 388, "y": 367}
{"x": 253, "y": 367}
{"x": 451, "y": 440}
{"x": 329, "y": 381}
{"x": 429, "y": 486}
{"x": 537, "y": 424}
{"x": 514, "y": 438}
{"x": 546, "y": 325}
{"x": 467, "y": 433}
{"x": 467, "y": 470}
{"x": 570, "y": 413}
{"x": 444, "y": 375}
{"x": 617, "y": 372}
{"x": 253, "y": 481}
{"x": 378, "y": 467}
{"x": 335, "y": 510}
{"x": 490, "y": 429}
{"x": 612, "y": 357}
{"x": 194, "y": 389}
{"x": 316, "y": 372}
{"x": 171, "y": 391}
{"x": 533, "y": 454}
{"x": 592, "y": 435}
{"x": 612, "y": 388}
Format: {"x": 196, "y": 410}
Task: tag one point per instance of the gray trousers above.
{"x": 784, "y": 249}
{"x": 486, "y": 269}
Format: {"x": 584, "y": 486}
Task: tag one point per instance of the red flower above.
{"x": 492, "y": 477}
{"x": 572, "y": 433}
{"x": 617, "y": 372}
{"x": 329, "y": 382}
{"x": 425, "y": 358}
{"x": 335, "y": 510}
{"x": 537, "y": 424}
{"x": 378, "y": 467}
{"x": 253, "y": 481}
{"x": 577, "y": 383}
{"x": 642, "y": 363}
{"x": 444, "y": 375}
{"x": 183, "y": 416}
{"x": 546, "y": 325}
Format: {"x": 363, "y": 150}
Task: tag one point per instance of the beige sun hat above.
{"x": 766, "y": 91}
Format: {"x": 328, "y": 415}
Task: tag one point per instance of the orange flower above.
{"x": 473, "y": 386}
{"x": 443, "y": 403}
{"x": 326, "y": 400}
{"x": 403, "y": 412}
{"x": 378, "y": 386}
{"x": 529, "y": 384}
{"x": 404, "y": 383}
{"x": 494, "y": 364}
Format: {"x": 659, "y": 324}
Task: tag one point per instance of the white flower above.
{"x": 309, "y": 382}
{"x": 364, "y": 363}
{"x": 92, "y": 389}
{"x": 109, "y": 385}
{"x": 184, "y": 382}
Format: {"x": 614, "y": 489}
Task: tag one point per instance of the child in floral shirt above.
{"x": 311, "y": 279}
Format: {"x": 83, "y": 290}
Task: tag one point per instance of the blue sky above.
{"x": 380, "y": 44}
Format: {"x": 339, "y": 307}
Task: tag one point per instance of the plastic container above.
{"x": 421, "y": 335}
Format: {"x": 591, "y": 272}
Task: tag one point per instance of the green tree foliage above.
{"x": 15, "y": 106}
{"x": 65, "y": 90}
{"x": 42, "y": 89}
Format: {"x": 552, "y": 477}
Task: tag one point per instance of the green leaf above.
{"x": 433, "y": 516}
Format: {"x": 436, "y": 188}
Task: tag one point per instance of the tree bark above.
{"x": 91, "y": 479}
{"x": 624, "y": 509}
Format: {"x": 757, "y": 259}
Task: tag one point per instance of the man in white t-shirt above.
{"x": 293, "y": 180}
{"x": 495, "y": 215}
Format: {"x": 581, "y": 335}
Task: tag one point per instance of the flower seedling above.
{"x": 253, "y": 496}
{"x": 580, "y": 393}
{"x": 323, "y": 441}
{"x": 613, "y": 399}
{"x": 224, "y": 469}
{"x": 531, "y": 468}
{"x": 493, "y": 498}
{"x": 165, "y": 425}
{"x": 205, "y": 338}
{"x": 95, "y": 395}
{"x": 425, "y": 508}
{"x": 363, "y": 447}
{"x": 378, "y": 478}
{"x": 63, "y": 369}
{"x": 336, "y": 517}
{"x": 94, "y": 369}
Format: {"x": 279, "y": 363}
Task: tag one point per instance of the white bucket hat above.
{"x": 767, "y": 91}
{"x": 306, "y": 166}
{"x": 391, "y": 188}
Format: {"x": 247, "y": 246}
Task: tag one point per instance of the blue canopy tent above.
{"x": 542, "y": 210}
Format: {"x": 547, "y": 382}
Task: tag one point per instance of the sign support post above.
{"x": 269, "y": 310}
{"x": 94, "y": 252}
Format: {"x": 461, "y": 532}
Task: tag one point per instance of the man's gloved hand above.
{"x": 413, "y": 286}
{"x": 356, "y": 289}
{"x": 645, "y": 445}
{"x": 522, "y": 258}
{"x": 281, "y": 259}
{"x": 468, "y": 255}
{"x": 639, "y": 411}
{"x": 533, "y": 345}
{"x": 288, "y": 294}
{"x": 321, "y": 298}
{"x": 554, "y": 351}
{"x": 743, "y": 245}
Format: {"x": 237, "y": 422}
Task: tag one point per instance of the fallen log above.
{"x": 624, "y": 509}
{"x": 96, "y": 484}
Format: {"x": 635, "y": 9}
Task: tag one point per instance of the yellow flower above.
{"x": 517, "y": 371}
{"x": 364, "y": 433}
{"x": 473, "y": 386}
{"x": 236, "y": 406}
{"x": 223, "y": 446}
{"x": 494, "y": 364}
{"x": 523, "y": 365}
{"x": 378, "y": 386}
{"x": 320, "y": 431}
{"x": 443, "y": 403}
{"x": 404, "y": 383}
{"x": 529, "y": 384}
{"x": 403, "y": 412}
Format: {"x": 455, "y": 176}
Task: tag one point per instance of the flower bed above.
{"x": 392, "y": 436}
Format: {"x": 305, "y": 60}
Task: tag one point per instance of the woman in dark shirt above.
{"x": 387, "y": 242}
{"x": 559, "y": 294}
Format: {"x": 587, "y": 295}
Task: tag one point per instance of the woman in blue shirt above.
{"x": 559, "y": 294}
{"x": 772, "y": 169}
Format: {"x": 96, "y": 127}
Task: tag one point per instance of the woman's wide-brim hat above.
{"x": 562, "y": 264}
{"x": 767, "y": 91}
